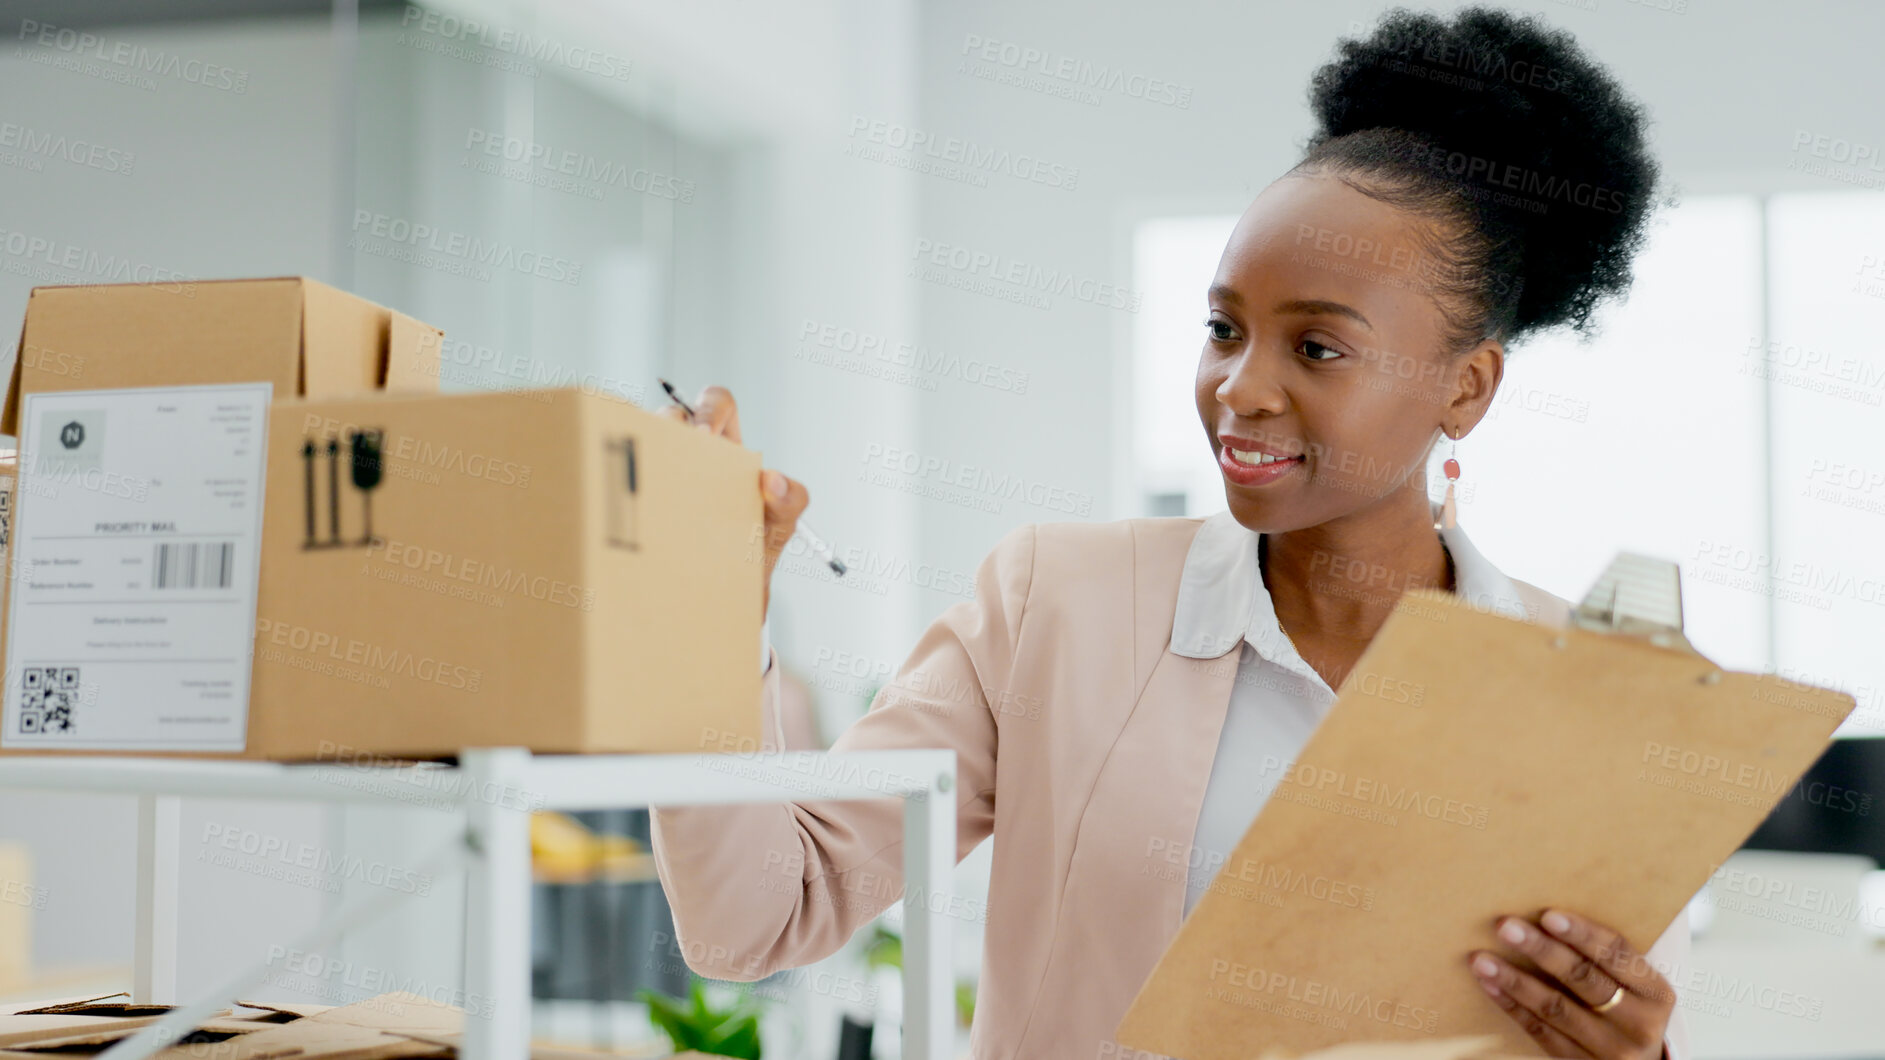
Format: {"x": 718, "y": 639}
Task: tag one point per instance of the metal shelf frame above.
{"x": 494, "y": 791}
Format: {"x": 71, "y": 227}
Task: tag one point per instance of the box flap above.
{"x": 280, "y": 1012}
{"x": 303, "y": 336}
{"x": 34, "y": 1007}
{"x": 96, "y": 1007}
{"x": 22, "y": 1029}
{"x": 69, "y": 1026}
{"x": 404, "y": 1012}
{"x": 307, "y": 1040}
{"x": 343, "y": 339}
{"x": 365, "y": 1030}
{"x": 128, "y": 335}
{"x": 10, "y": 413}
{"x": 412, "y": 355}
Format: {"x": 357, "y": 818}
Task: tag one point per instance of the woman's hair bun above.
{"x": 1500, "y": 121}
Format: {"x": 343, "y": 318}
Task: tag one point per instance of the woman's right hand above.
{"x": 785, "y": 498}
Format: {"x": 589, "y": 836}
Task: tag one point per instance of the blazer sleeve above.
{"x": 758, "y": 888}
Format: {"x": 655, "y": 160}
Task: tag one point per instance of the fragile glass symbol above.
{"x": 364, "y": 470}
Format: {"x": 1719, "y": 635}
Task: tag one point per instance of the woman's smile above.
{"x": 1250, "y": 463}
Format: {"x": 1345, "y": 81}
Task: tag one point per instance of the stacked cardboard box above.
{"x": 546, "y": 569}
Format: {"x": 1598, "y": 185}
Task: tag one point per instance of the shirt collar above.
{"x": 1222, "y": 600}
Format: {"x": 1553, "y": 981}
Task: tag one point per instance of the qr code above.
{"x": 48, "y": 696}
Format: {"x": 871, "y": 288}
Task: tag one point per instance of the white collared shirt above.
{"x": 1278, "y": 699}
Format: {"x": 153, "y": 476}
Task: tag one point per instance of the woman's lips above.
{"x": 1253, "y": 473}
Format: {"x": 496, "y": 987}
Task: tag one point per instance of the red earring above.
{"x": 1449, "y": 509}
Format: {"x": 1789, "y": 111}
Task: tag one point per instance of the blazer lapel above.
{"x": 1134, "y": 848}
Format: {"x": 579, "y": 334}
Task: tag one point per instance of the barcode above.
{"x": 48, "y": 695}
{"x": 199, "y": 565}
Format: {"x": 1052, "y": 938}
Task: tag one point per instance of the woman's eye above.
{"x": 1310, "y": 348}
{"x": 1221, "y": 330}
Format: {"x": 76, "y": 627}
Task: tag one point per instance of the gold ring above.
{"x": 1615, "y": 999}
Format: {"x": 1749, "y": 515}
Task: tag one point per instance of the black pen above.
{"x": 812, "y": 540}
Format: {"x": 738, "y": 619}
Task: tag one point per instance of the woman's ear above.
{"x": 1476, "y": 379}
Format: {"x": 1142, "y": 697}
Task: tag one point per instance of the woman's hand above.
{"x": 1584, "y": 965}
{"x": 785, "y": 499}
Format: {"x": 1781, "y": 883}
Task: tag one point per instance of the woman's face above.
{"x": 1323, "y": 348}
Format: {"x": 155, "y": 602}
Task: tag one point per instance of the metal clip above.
{"x": 1637, "y": 596}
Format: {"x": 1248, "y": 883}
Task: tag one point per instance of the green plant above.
{"x": 884, "y": 950}
{"x": 695, "y": 1024}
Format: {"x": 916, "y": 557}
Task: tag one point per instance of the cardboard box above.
{"x": 546, "y": 569}
{"x": 549, "y": 569}
{"x": 305, "y": 337}
{"x": 553, "y": 570}
{"x": 300, "y": 335}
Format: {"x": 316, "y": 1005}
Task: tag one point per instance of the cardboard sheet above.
{"x": 374, "y": 1029}
{"x": 278, "y": 1011}
{"x": 111, "y": 1015}
{"x": 388, "y": 1027}
{"x": 1537, "y": 767}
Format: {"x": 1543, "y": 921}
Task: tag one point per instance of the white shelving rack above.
{"x": 494, "y": 791}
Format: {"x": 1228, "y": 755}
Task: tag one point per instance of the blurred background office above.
{"x": 951, "y": 256}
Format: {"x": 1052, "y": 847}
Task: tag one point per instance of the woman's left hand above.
{"x": 1596, "y": 998}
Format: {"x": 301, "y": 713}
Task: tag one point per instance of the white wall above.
{"x": 1727, "y": 84}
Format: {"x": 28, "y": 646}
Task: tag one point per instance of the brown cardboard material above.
{"x": 515, "y": 593}
{"x": 9, "y": 479}
{"x": 387, "y": 1027}
{"x": 9, "y": 501}
{"x": 97, "y": 1022}
{"x": 365, "y": 1030}
{"x": 305, "y": 337}
{"x": 280, "y": 1012}
{"x": 1573, "y": 769}
{"x": 91, "y": 1022}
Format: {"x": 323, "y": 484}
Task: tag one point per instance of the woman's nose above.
{"x": 1252, "y": 387}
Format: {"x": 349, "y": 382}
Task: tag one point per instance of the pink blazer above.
{"x": 1105, "y": 738}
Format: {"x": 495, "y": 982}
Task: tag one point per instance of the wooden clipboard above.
{"x": 1605, "y": 768}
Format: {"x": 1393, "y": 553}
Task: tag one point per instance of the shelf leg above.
{"x": 159, "y": 849}
{"x": 929, "y": 859}
{"x": 497, "y": 899}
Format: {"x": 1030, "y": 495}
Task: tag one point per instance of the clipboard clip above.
{"x": 1638, "y": 596}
